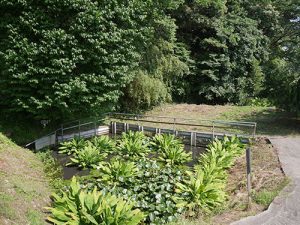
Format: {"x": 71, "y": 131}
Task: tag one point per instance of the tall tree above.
{"x": 227, "y": 47}
{"x": 75, "y": 57}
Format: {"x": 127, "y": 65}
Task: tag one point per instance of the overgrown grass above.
{"x": 266, "y": 196}
{"x": 24, "y": 189}
{"x": 270, "y": 120}
{"x": 52, "y": 169}
{"x": 185, "y": 221}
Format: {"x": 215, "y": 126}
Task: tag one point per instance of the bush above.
{"x": 70, "y": 147}
{"x": 89, "y": 157}
{"x": 117, "y": 172}
{"x": 259, "y": 102}
{"x": 175, "y": 155}
{"x": 200, "y": 191}
{"x": 133, "y": 144}
{"x": 170, "y": 149}
{"x": 79, "y": 206}
{"x": 104, "y": 143}
{"x": 160, "y": 142}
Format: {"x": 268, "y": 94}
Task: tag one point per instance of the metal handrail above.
{"x": 137, "y": 117}
{"x": 201, "y": 120}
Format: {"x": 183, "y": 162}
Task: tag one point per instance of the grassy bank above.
{"x": 270, "y": 121}
{"x": 24, "y": 189}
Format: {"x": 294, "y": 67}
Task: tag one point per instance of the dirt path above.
{"x": 285, "y": 209}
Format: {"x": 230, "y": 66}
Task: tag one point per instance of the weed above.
{"x": 52, "y": 169}
{"x": 34, "y": 217}
{"x": 265, "y": 197}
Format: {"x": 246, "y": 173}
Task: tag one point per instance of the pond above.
{"x": 70, "y": 171}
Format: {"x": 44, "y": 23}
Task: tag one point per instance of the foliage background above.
{"x": 72, "y": 58}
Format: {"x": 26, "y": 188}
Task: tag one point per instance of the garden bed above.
{"x": 157, "y": 176}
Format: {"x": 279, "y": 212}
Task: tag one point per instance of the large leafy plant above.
{"x": 70, "y": 147}
{"x": 175, "y": 155}
{"x": 170, "y": 149}
{"x": 205, "y": 188}
{"x": 160, "y": 142}
{"x": 223, "y": 152}
{"x": 83, "y": 207}
{"x": 117, "y": 172}
{"x": 104, "y": 143}
{"x": 88, "y": 157}
{"x": 200, "y": 191}
{"x": 133, "y": 144}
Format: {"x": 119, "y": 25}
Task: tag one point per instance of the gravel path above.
{"x": 285, "y": 209}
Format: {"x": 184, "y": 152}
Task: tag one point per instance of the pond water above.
{"x": 196, "y": 152}
{"x": 70, "y": 171}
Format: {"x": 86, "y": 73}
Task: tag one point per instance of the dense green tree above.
{"x": 72, "y": 58}
{"x": 76, "y": 57}
{"x": 227, "y": 47}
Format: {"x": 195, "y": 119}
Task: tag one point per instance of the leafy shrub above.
{"x": 104, "y": 143}
{"x": 200, "y": 191}
{"x": 89, "y": 157}
{"x": 259, "y": 102}
{"x": 70, "y": 147}
{"x": 170, "y": 149}
{"x": 160, "y": 142}
{"x": 133, "y": 144}
{"x": 233, "y": 145}
{"x": 145, "y": 91}
{"x": 52, "y": 169}
{"x": 223, "y": 152}
{"x": 205, "y": 189}
{"x": 175, "y": 155}
{"x": 79, "y": 206}
{"x": 117, "y": 172}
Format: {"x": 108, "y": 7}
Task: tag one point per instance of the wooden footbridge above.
{"x": 193, "y": 132}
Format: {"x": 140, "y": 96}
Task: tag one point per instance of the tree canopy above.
{"x": 72, "y": 58}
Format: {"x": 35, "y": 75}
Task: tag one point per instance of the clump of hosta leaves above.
{"x": 116, "y": 172}
{"x": 164, "y": 141}
{"x": 80, "y": 206}
{"x": 175, "y": 155}
{"x": 201, "y": 190}
{"x": 104, "y": 143}
{"x": 223, "y": 152}
{"x": 88, "y": 157}
{"x": 133, "y": 144}
{"x": 70, "y": 147}
{"x": 170, "y": 149}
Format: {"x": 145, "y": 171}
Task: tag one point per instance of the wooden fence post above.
{"x": 248, "y": 164}
{"x": 79, "y": 128}
{"x": 62, "y": 133}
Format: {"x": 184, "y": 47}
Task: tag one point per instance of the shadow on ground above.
{"x": 271, "y": 121}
